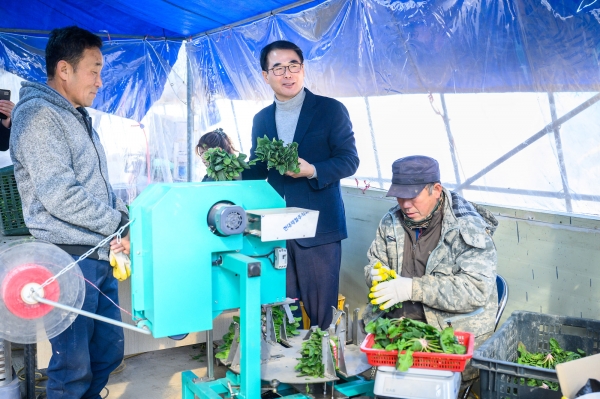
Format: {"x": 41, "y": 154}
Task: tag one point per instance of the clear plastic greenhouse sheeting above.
{"x": 138, "y": 153}
{"x": 134, "y": 74}
{"x": 518, "y": 123}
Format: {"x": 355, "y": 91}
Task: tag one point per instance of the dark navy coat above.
{"x": 326, "y": 140}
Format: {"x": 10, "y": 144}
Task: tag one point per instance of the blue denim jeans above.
{"x": 84, "y": 355}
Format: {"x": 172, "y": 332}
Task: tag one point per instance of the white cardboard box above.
{"x": 416, "y": 383}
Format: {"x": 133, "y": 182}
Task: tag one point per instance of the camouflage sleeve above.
{"x": 462, "y": 285}
{"x": 378, "y": 250}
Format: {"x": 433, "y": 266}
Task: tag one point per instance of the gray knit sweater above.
{"x": 61, "y": 171}
{"x": 286, "y": 116}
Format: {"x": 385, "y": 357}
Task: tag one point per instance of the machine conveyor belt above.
{"x": 281, "y": 362}
{"x": 356, "y": 361}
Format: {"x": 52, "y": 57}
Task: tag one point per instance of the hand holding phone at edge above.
{"x": 6, "y": 108}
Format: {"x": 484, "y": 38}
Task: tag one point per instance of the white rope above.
{"x": 82, "y": 257}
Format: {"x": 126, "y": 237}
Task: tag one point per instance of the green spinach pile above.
{"x": 223, "y": 349}
{"x": 311, "y": 362}
{"x": 408, "y": 336}
{"x": 277, "y": 155}
{"x": 223, "y": 166}
{"x": 278, "y": 316}
{"x": 546, "y": 360}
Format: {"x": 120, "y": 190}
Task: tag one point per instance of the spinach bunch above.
{"x": 546, "y": 360}
{"x": 277, "y": 155}
{"x": 387, "y": 276}
{"x": 279, "y": 315}
{"x": 408, "y": 336}
{"x": 311, "y": 362}
{"x": 223, "y": 349}
{"x": 223, "y": 166}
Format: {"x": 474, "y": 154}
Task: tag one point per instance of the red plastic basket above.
{"x": 422, "y": 360}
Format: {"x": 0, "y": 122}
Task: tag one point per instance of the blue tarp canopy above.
{"x": 158, "y": 18}
{"x": 142, "y": 40}
{"x": 379, "y": 47}
{"x": 352, "y": 47}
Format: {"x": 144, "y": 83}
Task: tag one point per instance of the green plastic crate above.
{"x": 11, "y": 212}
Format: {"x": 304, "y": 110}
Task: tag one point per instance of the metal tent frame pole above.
{"x": 237, "y": 129}
{"x": 559, "y": 153}
{"x": 374, "y": 143}
{"x": 547, "y": 129}
{"x": 190, "y": 118}
{"x": 450, "y": 141}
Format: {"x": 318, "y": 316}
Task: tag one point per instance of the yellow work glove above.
{"x": 121, "y": 265}
{"x": 389, "y": 293}
{"x": 379, "y": 274}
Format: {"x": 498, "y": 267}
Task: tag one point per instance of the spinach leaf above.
{"x": 547, "y": 360}
{"x": 277, "y": 155}
{"x": 412, "y": 336}
{"x": 405, "y": 360}
{"x": 311, "y": 362}
{"x": 223, "y": 166}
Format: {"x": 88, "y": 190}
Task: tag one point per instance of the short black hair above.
{"x": 68, "y": 44}
{"x": 278, "y": 45}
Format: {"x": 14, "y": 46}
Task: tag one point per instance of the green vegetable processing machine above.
{"x": 198, "y": 249}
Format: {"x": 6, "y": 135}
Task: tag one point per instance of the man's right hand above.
{"x": 391, "y": 292}
{"x": 121, "y": 265}
{"x": 6, "y": 108}
{"x": 123, "y": 246}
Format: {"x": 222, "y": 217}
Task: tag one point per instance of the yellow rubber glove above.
{"x": 121, "y": 265}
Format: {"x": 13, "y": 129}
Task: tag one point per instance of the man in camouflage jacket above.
{"x": 458, "y": 274}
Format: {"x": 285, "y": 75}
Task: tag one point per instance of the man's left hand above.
{"x": 389, "y": 293}
{"x": 306, "y": 170}
{"x": 123, "y": 246}
{"x": 6, "y": 108}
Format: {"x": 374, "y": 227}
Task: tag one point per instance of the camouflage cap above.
{"x": 411, "y": 175}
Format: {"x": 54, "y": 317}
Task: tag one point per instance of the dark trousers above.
{"x": 313, "y": 276}
{"x": 84, "y": 355}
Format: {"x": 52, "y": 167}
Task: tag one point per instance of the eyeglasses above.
{"x": 280, "y": 70}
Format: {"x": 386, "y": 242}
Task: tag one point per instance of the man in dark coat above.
{"x": 327, "y": 153}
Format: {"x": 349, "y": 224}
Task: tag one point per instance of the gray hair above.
{"x": 430, "y": 186}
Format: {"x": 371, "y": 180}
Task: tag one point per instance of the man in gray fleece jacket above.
{"x": 62, "y": 176}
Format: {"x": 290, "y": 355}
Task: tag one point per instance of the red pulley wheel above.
{"x": 17, "y": 279}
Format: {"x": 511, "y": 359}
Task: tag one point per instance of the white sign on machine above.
{"x": 282, "y": 223}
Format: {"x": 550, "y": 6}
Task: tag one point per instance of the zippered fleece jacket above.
{"x": 460, "y": 275}
{"x": 61, "y": 172}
